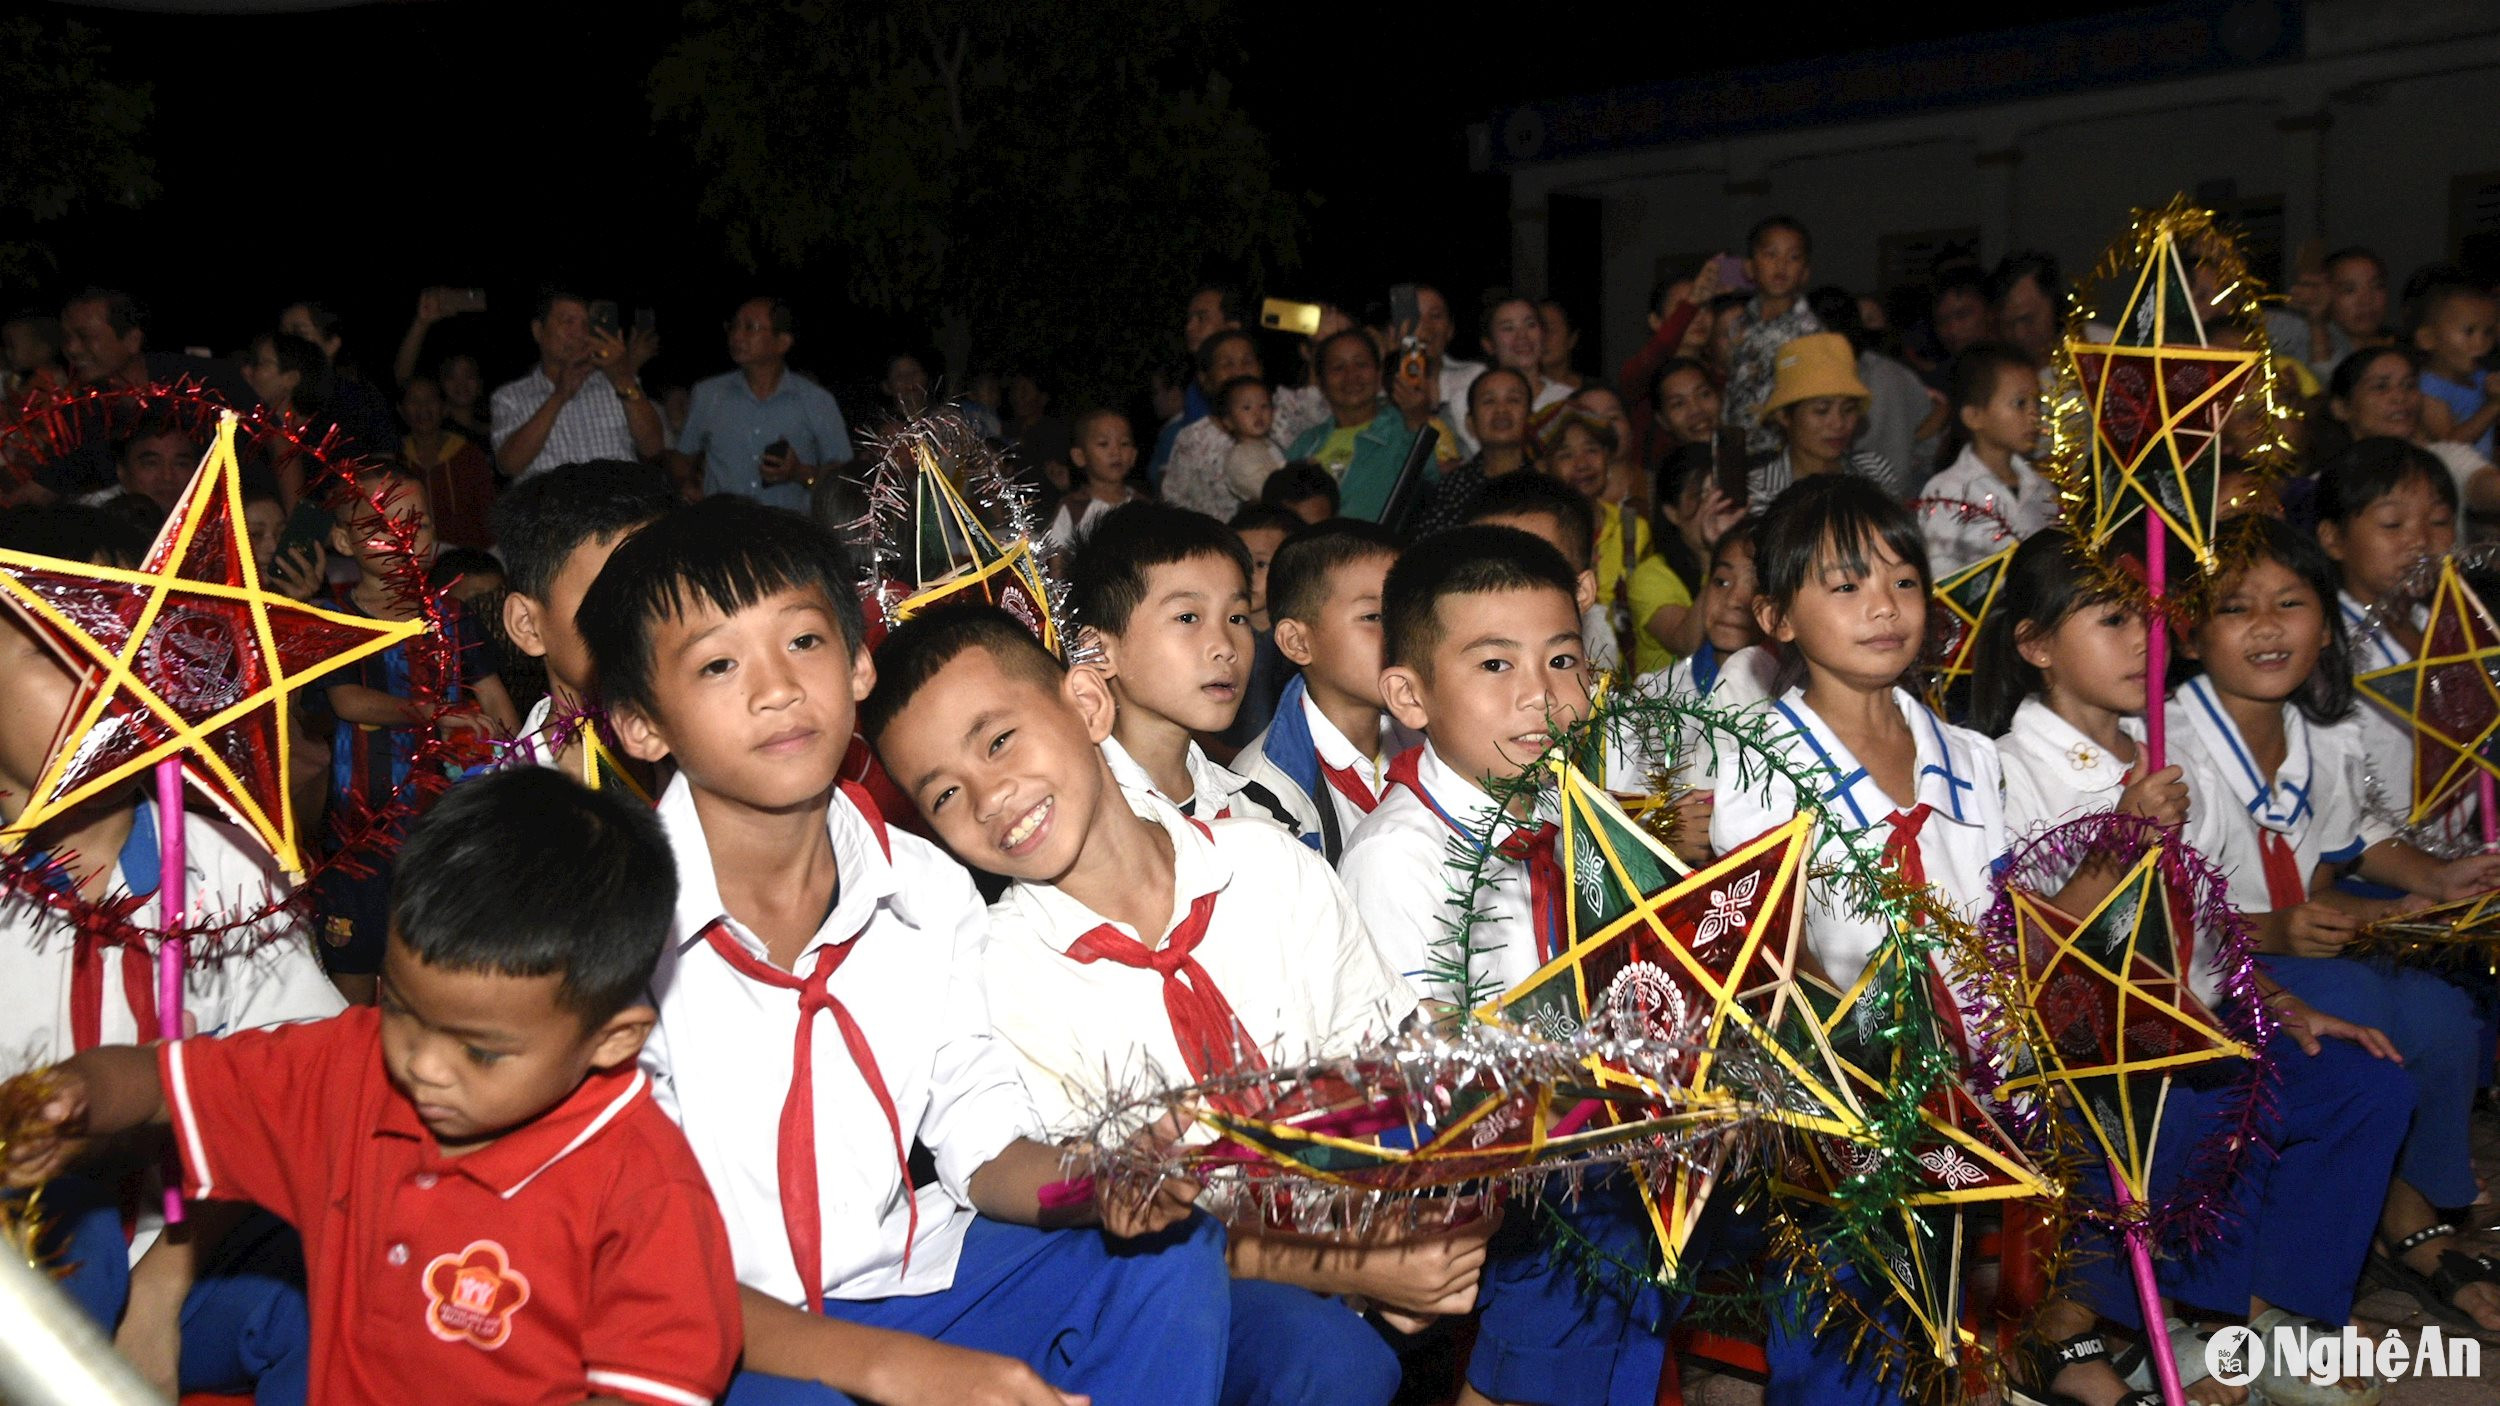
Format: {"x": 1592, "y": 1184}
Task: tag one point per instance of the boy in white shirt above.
{"x": 1549, "y": 508}
{"x": 64, "y": 989}
{"x": 728, "y": 637}
{"x": 1323, "y": 591}
{"x": 1163, "y": 594}
{"x": 1990, "y": 496}
{"x": 1255, "y": 956}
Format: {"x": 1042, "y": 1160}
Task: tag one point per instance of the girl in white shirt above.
{"x": 2061, "y": 674}
{"x": 1995, "y": 400}
{"x": 2270, "y": 720}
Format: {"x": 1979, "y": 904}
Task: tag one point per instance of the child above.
{"x": 1104, "y": 450}
{"x": 2269, "y": 719}
{"x": 557, "y": 529}
{"x": 549, "y": 1237}
{"x": 1730, "y": 670}
{"x": 459, "y": 474}
{"x": 1578, "y": 450}
{"x": 1324, "y": 591}
{"x": 728, "y": 636}
{"x": 999, "y": 742}
{"x": 1247, "y": 411}
{"x": 2062, "y": 675}
{"x": 1303, "y": 489}
{"x": 2454, "y": 335}
{"x": 1262, "y": 531}
{"x": 1164, "y": 595}
{"x": 379, "y": 709}
{"x": 1995, "y": 398}
{"x": 62, "y": 991}
{"x": 2383, "y": 506}
{"x": 1779, "y": 263}
{"x": 1545, "y": 507}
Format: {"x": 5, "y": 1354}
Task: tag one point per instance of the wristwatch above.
{"x": 630, "y": 392}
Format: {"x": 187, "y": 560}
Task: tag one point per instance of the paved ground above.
{"x": 2382, "y": 1307}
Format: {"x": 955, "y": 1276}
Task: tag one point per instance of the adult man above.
{"x": 155, "y": 461}
{"x": 1364, "y": 440}
{"x": 582, "y": 401}
{"x": 104, "y": 337}
{"x": 761, "y": 431}
{"x": 1212, "y": 309}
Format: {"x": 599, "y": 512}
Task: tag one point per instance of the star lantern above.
{"x": 2157, "y": 396}
{"x": 1655, "y": 947}
{"x": 188, "y": 657}
{"x": 2115, "y": 1019}
{"x": 949, "y": 554}
{"x": 2449, "y": 693}
{"x": 2461, "y": 923}
{"x": 1963, "y": 600}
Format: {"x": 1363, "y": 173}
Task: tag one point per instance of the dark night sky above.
{"x": 359, "y": 154}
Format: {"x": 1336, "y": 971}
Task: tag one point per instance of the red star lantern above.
{"x": 188, "y": 656}
{"x": 2450, "y": 694}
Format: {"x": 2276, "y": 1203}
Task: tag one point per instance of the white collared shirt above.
{"x": 1284, "y": 946}
{"x": 1959, "y": 776}
{"x": 1742, "y": 688}
{"x": 1398, "y": 866}
{"x": 720, "y": 1059}
{"x": 271, "y": 981}
{"x": 2313, "y": 800}
{"x": 1334, "y": 751}
{"x": 1953, "y": 541}
{"x": 1215, "y": 792}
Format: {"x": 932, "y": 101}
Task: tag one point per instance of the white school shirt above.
{"x": 2313, "y": 800}
{"x": 1742, "y": 687}
{"x": 1958, "y": 775}
{"x": 1954, "y": 542}
{"x": 1334, "y": 750}
{"x": 2384, "y": 737}
{"x": 1215, "y": 789}
{"x": 1397, "y": 864}
{"x": 2053, "y": 774}
{"x": 720, "y": 1061}
{"x": 1283, "y": 945}
{"x": 276, "y": 982}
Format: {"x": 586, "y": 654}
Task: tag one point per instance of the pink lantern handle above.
{"x": 172, "y": 908}
{"x": 2489, "y": 797}
{"x": 2148, "y": 1298}
{"x": 2156, "y": 644}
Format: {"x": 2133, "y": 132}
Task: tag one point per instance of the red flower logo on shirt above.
{"x": 473, "y": 1294}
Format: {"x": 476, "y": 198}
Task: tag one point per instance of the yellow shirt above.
{"x": 1654, "y": 584}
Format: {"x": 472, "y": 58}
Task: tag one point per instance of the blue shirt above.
{"x": 730, "y": 428}
{"x": 2464, "y": 402}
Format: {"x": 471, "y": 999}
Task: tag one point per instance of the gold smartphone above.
{"x": 1285, "y": 315}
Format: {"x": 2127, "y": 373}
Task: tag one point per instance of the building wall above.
{"x": 2362, "y": 141}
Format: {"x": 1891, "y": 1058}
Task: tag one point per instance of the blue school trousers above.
{"x": 245, "y": 1326}
{"x": 1551, "y": 1337}
{"x": 1125, "y": 1322}
{"x": 2433, "y": 1025}
{"x": 1292, "y": 1347}
{"x": 2297, "y": 1223}
{"x": 1805, "y": 1367}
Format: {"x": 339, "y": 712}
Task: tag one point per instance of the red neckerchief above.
{"x": 1533, "y": 846}
{"x": 2286, "y": 886}
{"x": 1211, "y": 1038}
{"x": 86, "y": 989}
{"x": 1901, "y": 852}
{"x": 801, "y": 1217}
{"x": 1349, "y": 783}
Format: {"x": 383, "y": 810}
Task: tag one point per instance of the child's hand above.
{"x": 1427, "y": 1276}
{"x": 2307, "y": 1025}
{"x": 2463, "y": 878}
{"x": 42, "y": 1112}
{"x": 1705, "y": 284}
{"x": 1127, "y": 1215}
{"x": 2491, "y": 386}
{"x": 2161, "y": 797}
{"x": 917, "y": 1371}
{"x": 2317, "y": 929}
{"x": 1693, "y": 810}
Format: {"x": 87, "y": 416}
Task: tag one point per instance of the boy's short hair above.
{"x": 1525, "y": 494}
{"x": 1768, "y": 225}
{"x": 1239, "y": 385}
{"x": 1250, "y": 517}
{"x": 1297, "y": 577}
{"x": 1830, "y": 516}
{"x": 541, "y": 519}
{"x": 2370, "y": 470}
{"x": 913, "y": 652}
{"x": 1463, "y": 561}
{"x": 1299, "y": 480}
{"x": 726, "y": 551}
{"x": 155, "y": 424}
{"x": 470, "y": 890}
{"x": 2439, "y": 297}
{"x": 1107, "y": 576}
{"x": 453, "y": 563}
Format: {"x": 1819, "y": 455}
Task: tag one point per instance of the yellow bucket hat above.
{"x": 1810, "y": 367}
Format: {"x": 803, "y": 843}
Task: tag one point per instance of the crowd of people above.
{"x": 536, "y": 1105}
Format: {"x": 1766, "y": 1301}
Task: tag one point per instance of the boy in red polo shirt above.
{"x": 492, "y": 1207}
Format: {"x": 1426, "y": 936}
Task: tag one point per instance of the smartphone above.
{"x": 1284, "y": 315}
{"x": 646, "y": 321}
{"x": 307, "y": 526}
{"x": 1732, "y": 277}
{"x": 1405, "y": 308}
{"x": 465, "y": 299}
{"x": 603, "y": 316}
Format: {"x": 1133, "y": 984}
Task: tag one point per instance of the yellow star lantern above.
{"x": 950, "y": 554}
{"x": 2449, "y": 693}
{"x": 1654, "y": 949}
{"x": 2157, "y": 395}
{"x": 1963, "y": 601}
{"x": 187, "y": 657}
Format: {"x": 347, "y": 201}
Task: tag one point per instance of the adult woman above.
{"x": 2378, "y": 391}
{"x": 292, "y": 379}
{"x": 1514, "y": 336}
{"x": 1817, "y": 405}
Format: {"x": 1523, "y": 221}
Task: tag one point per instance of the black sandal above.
{"x": 2436, "y": 1291}
{"x": 2047, "y": 1359}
